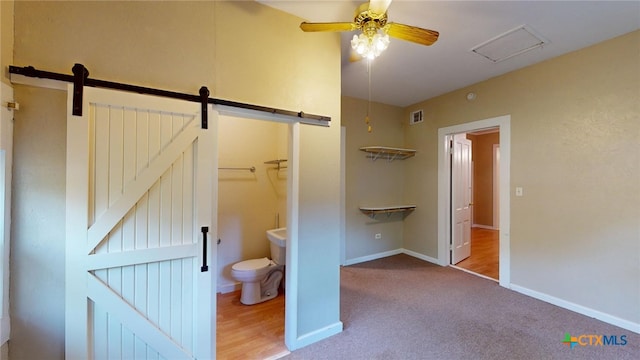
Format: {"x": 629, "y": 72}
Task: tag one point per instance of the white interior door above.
{"x": 461, "y": 198}
{"x": 139, "y": 195}
{"x": 496, "y": 186}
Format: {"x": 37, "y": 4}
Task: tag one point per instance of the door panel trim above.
{"x": 135, "y": 257}
{"x": 136, "y": 322}
{"x": 138, "y": 187}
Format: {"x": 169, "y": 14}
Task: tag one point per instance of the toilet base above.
{"x": 256, "y": 292}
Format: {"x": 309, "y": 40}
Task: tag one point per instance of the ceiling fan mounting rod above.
{"x": 370, "y": 29}
{"x": 368, "y": 21}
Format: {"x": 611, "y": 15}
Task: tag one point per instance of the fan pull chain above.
{"x": 367, "y": 121}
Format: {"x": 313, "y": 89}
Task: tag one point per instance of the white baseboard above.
{"x": 479, "y": 226}
{"x": 421, "y": 256}
{"x": 317, "y": 335}
{"x": 610, "y": 319}
{"x": 392, "y": 253}
{"x": 372, "y": 257}
{"x": 227, "y": 288}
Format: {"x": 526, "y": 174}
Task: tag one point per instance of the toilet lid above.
{"x": 252, "y": 264}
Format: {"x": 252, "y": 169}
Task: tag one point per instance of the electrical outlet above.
{"x": 378, "y": 236}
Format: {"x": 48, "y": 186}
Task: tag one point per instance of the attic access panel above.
{"x": 513, "y": 42}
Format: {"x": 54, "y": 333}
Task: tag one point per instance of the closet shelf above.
{"x": 277, "y": 162}
{"x": 389, "y": 153}
{"x": 372, "y": 211}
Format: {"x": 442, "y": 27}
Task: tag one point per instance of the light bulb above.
{"x": 382, "y": 42}
{"x": 354, "y": 42}
{"x": 370, "y": 47}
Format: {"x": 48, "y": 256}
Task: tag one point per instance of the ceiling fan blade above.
{"x": 342, "y": 26}
{"x": 379, "y": 7}
{"x": 412, "y": 33}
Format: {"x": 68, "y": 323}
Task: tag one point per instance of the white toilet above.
{"x": 261, "y": 277}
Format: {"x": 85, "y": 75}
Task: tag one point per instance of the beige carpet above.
{"x": 404, "y": 308}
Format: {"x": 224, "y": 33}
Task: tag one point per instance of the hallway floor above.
{"x": 485, "y": 253}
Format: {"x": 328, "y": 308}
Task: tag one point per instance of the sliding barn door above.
{"x": 139, "y": 203}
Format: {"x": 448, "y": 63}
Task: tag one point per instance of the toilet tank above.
{"x": 278, "y": 253}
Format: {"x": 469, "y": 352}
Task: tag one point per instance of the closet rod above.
{"x": 252, "y": 169}
{"x": 30, "y": 71}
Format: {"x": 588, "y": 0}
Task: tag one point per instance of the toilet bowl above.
{"x": 260, "y": 279}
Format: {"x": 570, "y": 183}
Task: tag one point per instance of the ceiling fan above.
{"x": 371, "y": 20}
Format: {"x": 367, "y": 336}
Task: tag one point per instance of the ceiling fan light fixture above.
{"x": 372, "y": 22}
{"x": 370, "y": 46}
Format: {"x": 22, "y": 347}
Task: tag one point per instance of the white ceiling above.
{"x": 407, "y": 73}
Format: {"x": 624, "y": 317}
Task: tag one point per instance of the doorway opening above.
{"x": 253, "y": 197}
{"x": 453, "y": 222}
{"x": 475, "y": 179}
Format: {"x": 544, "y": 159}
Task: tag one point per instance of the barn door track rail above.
{"x": 80, "y": 79}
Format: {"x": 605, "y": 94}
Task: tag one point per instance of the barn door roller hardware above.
{"x": 80, "y": 78}
{"x": 80, "y": 75}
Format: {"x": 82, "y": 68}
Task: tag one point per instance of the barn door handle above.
{"x": 204, "y": 267}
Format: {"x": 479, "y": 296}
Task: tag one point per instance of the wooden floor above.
{"x": 249, "y": 332}
{"x": 485, "y": 256}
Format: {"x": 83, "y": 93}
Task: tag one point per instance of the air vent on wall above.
{"x": 514, "y": 42}
{"x": 416, "y": 117}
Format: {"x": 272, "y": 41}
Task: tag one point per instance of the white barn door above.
{"x": 139, "y": 195}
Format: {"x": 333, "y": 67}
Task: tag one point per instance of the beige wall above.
{"x": 482, "y": 156}
{"x": 6, "y": 38}
{"x": 37, "y": 235}
{"x": 575, "y": 130}
{"x": 248, "y": 203}
{"x": 372, "y": 183}
{"x": 169, "y": 44}
{"x": 6, "y": 133}
{"x": 179, "y": 46}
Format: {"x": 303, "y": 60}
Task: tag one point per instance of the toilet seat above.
{"x": 252, "y": 265}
